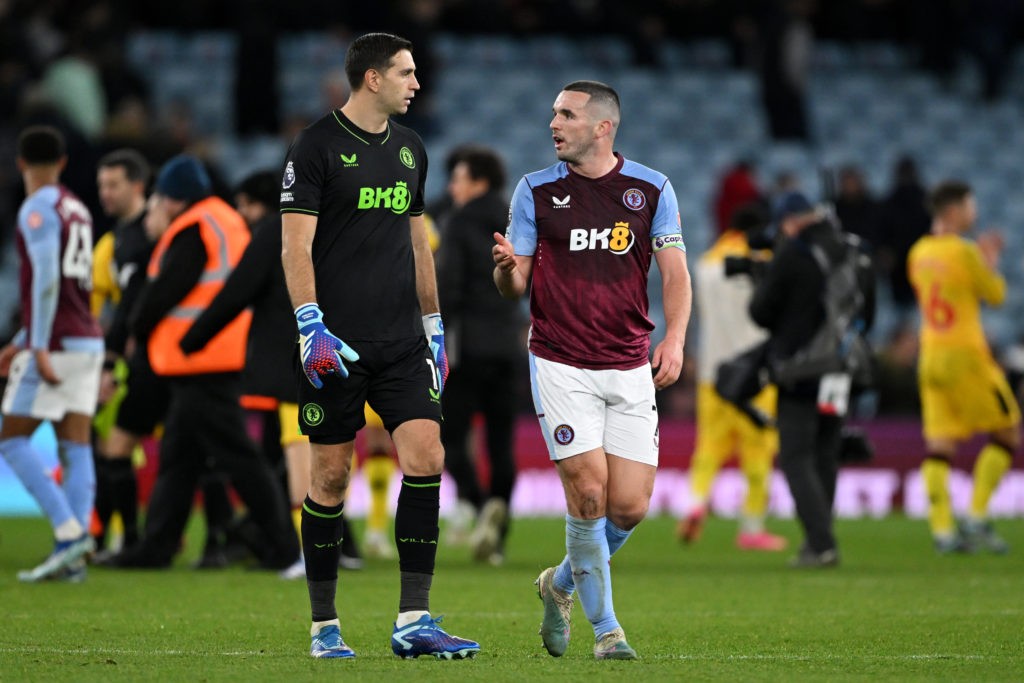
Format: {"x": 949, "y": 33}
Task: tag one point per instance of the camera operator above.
{"x": 725, "y": 429}
{"x": 790, "y": 302}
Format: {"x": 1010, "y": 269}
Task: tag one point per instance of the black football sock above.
{"x": 104, "y": 502}
{"x": 125, "y": 496}
{"x": 416, "y": 535}
{"x": 349, "y": 547}
{"x": 321, "y": 542}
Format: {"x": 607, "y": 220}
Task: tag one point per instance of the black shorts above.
{"x": 145, "y": 404}
{"x": 395, "y": 377}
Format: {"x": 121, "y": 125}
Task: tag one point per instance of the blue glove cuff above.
{"x": 308, "y": 313}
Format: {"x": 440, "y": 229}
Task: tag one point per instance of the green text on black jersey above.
{"x": 362, "y": 187}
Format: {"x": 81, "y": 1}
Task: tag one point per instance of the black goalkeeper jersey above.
{"x": 362, "y": 187}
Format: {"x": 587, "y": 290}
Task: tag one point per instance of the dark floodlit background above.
{"x": 892, "y": 96}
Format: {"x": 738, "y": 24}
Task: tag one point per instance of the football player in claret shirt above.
{"x": 586, "y": 230}
{"x": 54, "y": 363}
{"x": 963, "y": 390}
{"x": 357, "y": 263}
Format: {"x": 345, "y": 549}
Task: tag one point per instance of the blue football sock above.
{"x": 616, "y": 536}
{"x": 616, "y": 539}
{"x": 26, "y": 464}
{"x": 587, "y": 548}
{"x": 79, "y": 479}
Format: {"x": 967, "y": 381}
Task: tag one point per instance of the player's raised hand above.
{"x": 667, "y": 363}
{"x": 503, "y": 253}
{"x": 321, "y": 351}
{"x": 991, "y": 243}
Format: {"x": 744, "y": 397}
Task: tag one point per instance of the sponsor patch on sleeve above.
{"x": 666, "y": 241}
{"x": 287, "y": 197}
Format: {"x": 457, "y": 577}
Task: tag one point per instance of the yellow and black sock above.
{"x": 297, "y": 520}
{"x": 993, "y": 462}
{"x": 379, "y": 468}
{"x": 935, "y": 474}
{"x": 757, "y": 468}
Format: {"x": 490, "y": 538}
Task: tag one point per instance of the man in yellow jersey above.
{"x": 723, "y": 431}
{"x": 963, "y": 390}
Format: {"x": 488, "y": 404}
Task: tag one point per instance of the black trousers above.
{"x": 809, "y": 445}
{"x": 486, "y": 386}
{"x": 205, "y": 427}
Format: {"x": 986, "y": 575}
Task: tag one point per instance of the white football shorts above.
{"x": 27, "y": 395}
{"x": 580, "y": 410}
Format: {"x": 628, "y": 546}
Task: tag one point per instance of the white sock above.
{"x": 751, "y": 525}
{"x": 406, "y": 618}
{"x": 317, "y": 625}
{"x": 69, "y": 530}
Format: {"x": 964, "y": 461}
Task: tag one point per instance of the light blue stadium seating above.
{"x": 691, "y": 119}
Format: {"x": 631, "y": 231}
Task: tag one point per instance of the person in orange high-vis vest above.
{"x": 224, "y": 236}
{"x": 200, "y": 240}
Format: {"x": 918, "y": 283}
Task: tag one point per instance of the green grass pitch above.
{"x": 894, "y": 611}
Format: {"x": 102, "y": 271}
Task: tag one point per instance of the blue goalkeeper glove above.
{"x": 320, "y": 350}
{"x": 434, "y": 329}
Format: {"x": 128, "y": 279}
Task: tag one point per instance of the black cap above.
{"x": 184, "y": 178}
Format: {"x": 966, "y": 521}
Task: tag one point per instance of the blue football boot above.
{"x": 327, "y": 643}
{"x": 425, "y": 637}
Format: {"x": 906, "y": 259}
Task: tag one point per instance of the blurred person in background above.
{"x": 963, "y": 389}
{"x": 785, "y": 40}
{"x": 53, "y": 365}
{"x": 902, "y": 220}
{"x": 268, "y": 382}
{"x": 726, "y": 331}
{"x": 484, "y": 346}
{"x": 120, "y": 260}
{"x": 738, "y": 187}
{"x": 200, "y": 240}
{"x": 791, "y": 302}
{"x": 896, "y": 373}
{"x": 856, "y": 209}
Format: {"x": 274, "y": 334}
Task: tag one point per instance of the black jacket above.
{"x": 182, "y": 265}
{"x": 132, "y": 250}
{"x": 479, "y": 322}
{"x": 788, "y": 301}
{"x": 257, "y": 281}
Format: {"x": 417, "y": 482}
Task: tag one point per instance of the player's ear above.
{"x": 371, "y": 79}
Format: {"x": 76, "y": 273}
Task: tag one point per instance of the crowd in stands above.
{"x": 67, "y": 64}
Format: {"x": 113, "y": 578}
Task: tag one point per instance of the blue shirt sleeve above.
{"x": 666, "y": 230}
{"x": 522, "y": 224}
{"x": 40, "y": 228}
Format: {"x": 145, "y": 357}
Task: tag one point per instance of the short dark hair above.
{"x": 946, "y": 194}
{"x": 372, "y": 51}
{"x": 136, "y": 168}
{"x": 41, "y": 145}
{"x": 262, "y": 187}
{"x": 482, "y": 162}
{"x": 599, "y": 92}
